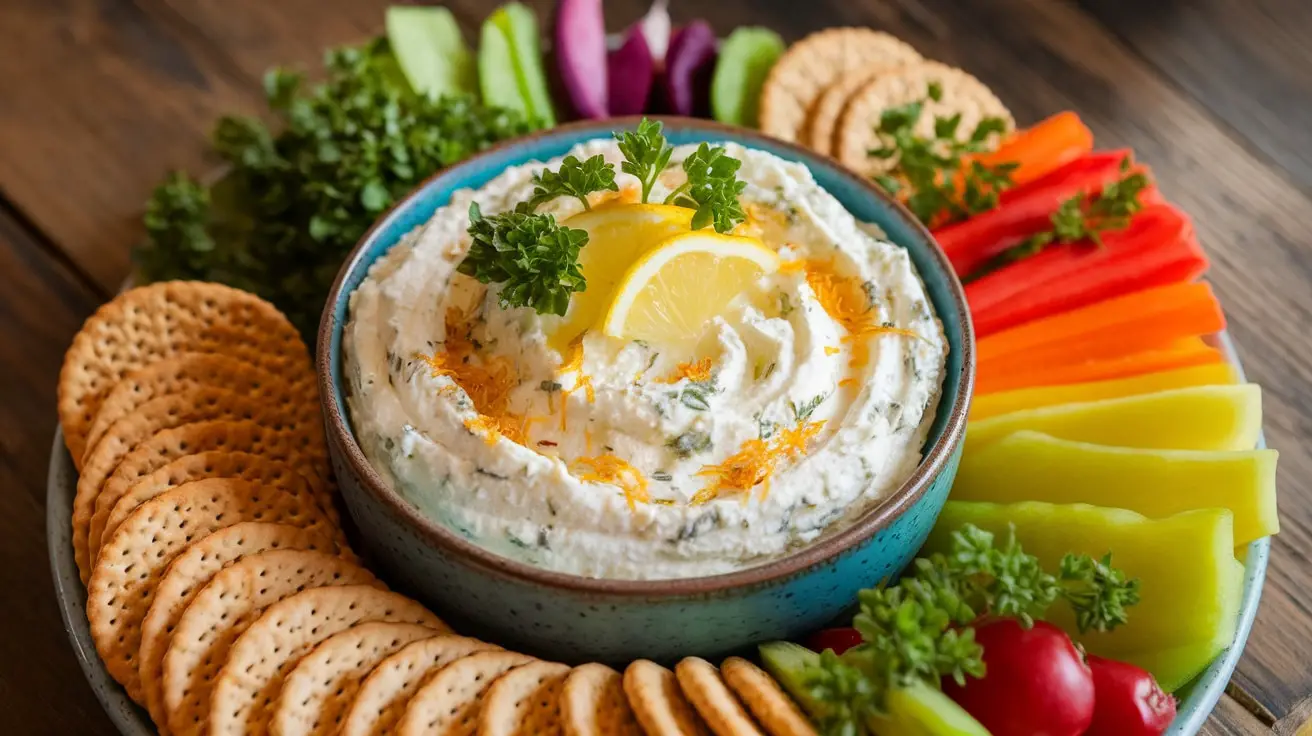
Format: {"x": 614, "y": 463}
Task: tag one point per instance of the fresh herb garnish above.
{"x": 803, "y": 412}
{"x": 646, "y": 154}
{"x": 535, "y": 258}
{"x": 920, "y": 629}
{"x": 296, "y": 200}
{"x": 1080, "y": 219}
{"x": 712, "y": 189}
{"x": 689, "y": 443}
{"x": 928, "y": 174}
{"x": 574, "y": 178}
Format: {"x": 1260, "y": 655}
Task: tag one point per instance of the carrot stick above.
{"x": 1184, "y": 353}
{"x": 1117, "y": 326}
{"x": 1039, "y": 149}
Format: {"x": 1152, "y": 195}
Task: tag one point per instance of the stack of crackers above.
{"x": 829, "y": 91}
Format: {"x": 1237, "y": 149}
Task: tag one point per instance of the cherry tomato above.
{"x": 839, "y": 640}
{"x": 1036, "y": 683}
{"x": 1128, "y": 701}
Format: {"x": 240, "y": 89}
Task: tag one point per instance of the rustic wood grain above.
{"x": 1230, "y": 719}
{"x": 41, "y": 305}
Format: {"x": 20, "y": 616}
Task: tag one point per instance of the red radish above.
{"x": 688, "y": 70}
{"x": 631, "y": 72}
{"x": 1035, "y": 684}
{"x": 1128, "y": 701}
{"x": 840, "y": 640}
{"x": 580, "y": 42}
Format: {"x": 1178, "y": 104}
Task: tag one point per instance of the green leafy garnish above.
{"x": 920, "y": 629}
{"x": 574, "y": 178}
{"x": 646, "y": 154}
{"x": 299, "y": 196}
{"x": 928, "y": 173}
{"x": 712, "y": 189}
{"x": 689, "y": 443}
{"x": 534, "y": 258}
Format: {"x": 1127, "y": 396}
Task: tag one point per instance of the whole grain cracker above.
{"x": 524, "y": 702}
{"x": 450, "y": 702}
{"x": 702, "y": 685}
{"x": 188, "y": 574}
{"x": 385, "y": 693}
{"x": 186, "y": 371}
{"x": 134, "y": 559}
{"x": 243, "y": 696}
{"x": 809, "y": 66}
{"x": 151, "y": 322}
{"x": 822, "y": 122}
{"x": 773, "y": 709}
{"x": 174, "y": 410}
{"x": 962, "y": 94}
{"x": 658, "y": 704}
{"x": 592, "y": 703}
{"x": 222, "y": 610}
{"x": 111, "y": 511}
{"x": 319, "y": 688}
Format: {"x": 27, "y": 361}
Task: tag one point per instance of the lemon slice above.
{"x": 618, "y": 235}
{"x": 676, "y": 289}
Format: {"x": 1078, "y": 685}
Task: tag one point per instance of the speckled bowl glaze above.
{"x": 573, "y": 618}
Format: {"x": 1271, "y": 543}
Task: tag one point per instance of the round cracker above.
{"x": 132, "y": 562}
{"x": 111, "y": 511}
{"x": 809, "y": 66}
{"x": 145, "y": 324}
{"x": 188, "y": 574}
{"x": 243, "y": 696}
{"x": 962, "y": 94}
{"x": 773, "y": 709}
{"x": 385, "y": 693}
{"x": 592, "y": 703}
{"x": 174, "y": 410}
{"x": 450, "y": 702}
{"x": 319, "y": 688}
{"x": 712, "y": 699}
{"x": 222, "y": 610}
{"x": 822, "y": 122}
{"x": 524, "y": 702}
{"x": 658, "y": 705}
{"x": 186, "y": 371}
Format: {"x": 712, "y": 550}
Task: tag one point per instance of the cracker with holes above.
{"x": 383, "y": 696}
{"x": 767, "y": 702}
{"x": 134, "y": 559}
{"x": 224, "y": 609}
{"x": 658, "y": 703}
{"x": 524, "y": 702}
{"x": 592, "y": 703}
{"x": 703, "y": 686}
{"x": 961, "y": 94}
{"x": 186, "y": 371}
{"x": 188, "y": 574}
{"x": 146, "y": 324}
{"x": 259, "y": 661}
{"x": 822, "y": 121}
{"x": 450, "y": 703}
{"x": 319, "y": 688}
{"x": 797, "y": 80}
{"x": 173, "y": 410}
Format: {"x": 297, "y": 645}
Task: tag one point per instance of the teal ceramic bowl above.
{"x": 573, "y": 618}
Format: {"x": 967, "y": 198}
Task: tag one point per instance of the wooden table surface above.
{"x": 99, "y": 98}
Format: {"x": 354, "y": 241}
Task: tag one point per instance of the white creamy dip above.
{"x": 778, "y": 359}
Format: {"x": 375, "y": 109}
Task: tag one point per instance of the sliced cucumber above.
{"x": 745, "y": 59}
{"x": 520, "y": 26}
{"x": 430, "y": 50}
{"x": 496, "y": 70}
{"x": 786, "y": 661}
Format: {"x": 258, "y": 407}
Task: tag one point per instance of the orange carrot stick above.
{"x": 1119, "y": 326}
{"x": 1041, "y": 148}
{"x": 1179, "y": 354}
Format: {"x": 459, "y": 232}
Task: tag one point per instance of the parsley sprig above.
{"x": 928, "y": 173}
{"x": 1080, "y": 219}
{"x": 646, "y": 154}
{"x": 920, "y": 629}
{"x": 712, "y": 188}
{"x": 574, "y": 178}
{"x": 534, "y": 258}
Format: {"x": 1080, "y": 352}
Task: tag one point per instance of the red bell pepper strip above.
{"x": 1158, "y": 248}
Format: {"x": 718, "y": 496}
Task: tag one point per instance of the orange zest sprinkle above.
{"x": 613, "y": 470}
{"x": 575, "y": 365}
{"x": 698, "y": 370}
{"x": 847, "y": 382}
{"x": 845, "y": 302}
{"x": 754, "y": 463}
{"x": 793, "y": 266}
{"x": 831, "y": 350}
{"x": 487, "y": 383}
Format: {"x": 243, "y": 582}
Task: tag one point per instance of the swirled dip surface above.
{"x": 783, "y": 359}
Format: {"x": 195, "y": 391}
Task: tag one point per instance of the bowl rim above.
{"x": 821, "y": 552}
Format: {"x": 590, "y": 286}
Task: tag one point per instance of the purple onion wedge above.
{"x": 631, "y": 71}
{"x": 688, "y": 69}
{"x": 580, "y": 41}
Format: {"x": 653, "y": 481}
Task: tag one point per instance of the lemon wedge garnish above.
{"x": 673, "y": 291}
{"x": 618, "y": 235}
